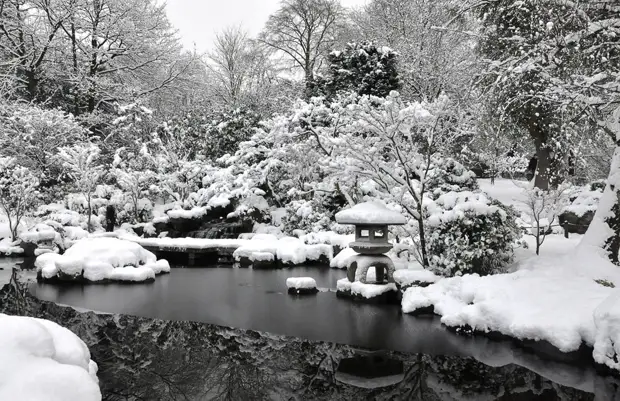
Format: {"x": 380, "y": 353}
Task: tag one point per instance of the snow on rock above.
{"x": 341, "y": 261}
{"x": 317, "y": 252}
{"x": 409, "y": 277}
{"x": 40, "y": 232}
{"x": 8, "y": 247}
{"x": 291, "y": 251}
{"x": 300, "y": 283}
{"x": 288, "y": 250}
{"x": 586, "y": 201}
{"x": 552, "y": 298}
{"x": 102, "y": 258}
{"x": 329, "y": 238}
{"x": 607, "y": 322}
{"x": 370, "y": 213}
{"x": 44, "y": 361}
{"x": 367, "y": 291}
{"x": 194, "y": 213}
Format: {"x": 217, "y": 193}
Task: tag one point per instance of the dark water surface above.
{"x": 257, "y": 300}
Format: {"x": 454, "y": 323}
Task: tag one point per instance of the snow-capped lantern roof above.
{"x": 370, "y": 213}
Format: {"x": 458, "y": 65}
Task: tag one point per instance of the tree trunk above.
{"x": 544, "y": 166}
{"x": 604, "y": 231}
{"x": 422, "y": 237}
{"x": 90, "y": 213}
{"x": 76, "y": 95}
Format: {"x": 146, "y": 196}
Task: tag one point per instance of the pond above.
{"x": 450, "y": 365}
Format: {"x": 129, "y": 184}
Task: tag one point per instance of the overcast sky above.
{"x": 199, "y": 20}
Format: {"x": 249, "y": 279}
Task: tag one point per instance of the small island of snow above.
{"x": 101, "y": 260}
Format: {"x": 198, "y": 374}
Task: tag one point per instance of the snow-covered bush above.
{"x": 226, "y": 131}
{"x": 80, "y": 162}
{"x": 469, "y": 233}
{"x": 309, "y": 216}
{"x": 448, "y": 175}
{"x": 585, "y": 199}
{"x": 19, "y": 192}
{"x": 32, "y": 135}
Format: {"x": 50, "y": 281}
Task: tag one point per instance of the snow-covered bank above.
{"x": 564, "y": 298}
{"x": 41, "y": 360}
{"x": 101, "y": 259}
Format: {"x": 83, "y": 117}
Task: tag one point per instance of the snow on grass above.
{"x": 44, "y": 361}
{"x": 100, "y": 259}
{"x": 553, "y": 297}
{"x": 301, "y": 283}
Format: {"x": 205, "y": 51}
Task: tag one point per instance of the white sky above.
{"x": 199, "y": 20}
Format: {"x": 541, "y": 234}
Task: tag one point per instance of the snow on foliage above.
{"x": 586, "y": 200}
{"x": 469, "y": 233}
{"x": 19, "y": 192}
{"x": 44, "y": 361}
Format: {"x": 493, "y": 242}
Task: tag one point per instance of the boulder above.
{"x": 574, "y": 223}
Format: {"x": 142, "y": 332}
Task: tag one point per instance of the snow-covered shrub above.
{"x": 469, "y": 233}
{"x": 33, "y": 135}
{"x": 225, "y": 132}
{"x": 19, "y": 191}
{"x": 448, "y": 175}
{"x": 309, "y": 216}
{"x": 585, "y": 199}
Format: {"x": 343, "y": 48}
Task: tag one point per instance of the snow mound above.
{"x": 548, "y": 298}
{"x": 44, "y": 361}
{"x": 8, "y": 247}
{"x": 300, "y": 282}
{"x": 40, "y": 232}
{"x": 409, "y": 277}
{"x": 367, "y": 291}
{"x": 98, "y": 259}
{"x": 341, "y": 261}
{"x": 370, "y": 213}
{"x": 586, "y": 201}
{"x": 288, "y": 250}
{"x": 607, "y": 322}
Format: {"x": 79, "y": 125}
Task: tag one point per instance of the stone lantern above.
{"x": 371, "y": 222}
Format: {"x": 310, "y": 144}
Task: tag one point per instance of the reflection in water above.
{"x": 150, "y": 359}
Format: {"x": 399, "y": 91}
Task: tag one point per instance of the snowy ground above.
{"x": 567, "y": 296}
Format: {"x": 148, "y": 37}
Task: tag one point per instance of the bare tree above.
{"x": 304, "y": 30}
{"x": 230, "y": 63}
{"x": 28, "y": 34}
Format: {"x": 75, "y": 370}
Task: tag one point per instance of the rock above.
{"x": 576, "y": 224}
{"x": 302, "y": 291}
{"x": 301, "y": 285}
